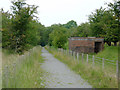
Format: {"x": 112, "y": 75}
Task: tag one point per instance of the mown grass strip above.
{"x": 97, "y": 77}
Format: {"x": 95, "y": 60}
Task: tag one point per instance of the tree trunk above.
{"x": 115, "y": 43}
{"x": 109, "y": 43}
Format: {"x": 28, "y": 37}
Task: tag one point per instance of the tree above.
{"x": 95, "y": 22}
{"x": 83, "y": 30}
{"x": 58, "y": 37}
{"x": 103, "y": 24}
{"x": 115, "y": 8}
{"x": 70, "y": 24}
{"x": 21, "y": 30}
{"x": 5, "y": 29}
{"x": 23, "y": 15}
{"x": 33, "y": 33}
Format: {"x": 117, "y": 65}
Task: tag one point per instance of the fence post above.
{"x": 103, "y": 63}
{"x": 77, "y": 56}
{"x": 117, "y": 69}
{"x": 66, "y": 52}
{"x": 29, "y": 55}
{"x": 61, "y": 50}
{"x": 93, "y": 60}
{"x": 6, "y": 74}
{"x": 82, "y": 56}
{"x": 74, "y": 54}
{"x": 69, "y": 51}
{"x": 87, "y": 58}
{"x": 14, "y": 71}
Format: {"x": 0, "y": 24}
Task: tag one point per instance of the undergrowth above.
{"x": 23, "y": 71}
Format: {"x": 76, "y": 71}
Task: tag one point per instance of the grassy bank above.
{"x": 97, "y": 77}
{"x": 23, "y": 71}
{"x": 109, "y": 52}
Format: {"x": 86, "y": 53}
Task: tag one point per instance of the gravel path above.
{"x": 59, "y": 75}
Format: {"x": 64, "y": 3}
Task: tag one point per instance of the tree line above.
{"x": 21, "y": 29}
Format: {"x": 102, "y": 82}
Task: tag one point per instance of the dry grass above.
{"x": 23, "y": 71}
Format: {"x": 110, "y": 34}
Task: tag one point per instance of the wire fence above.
{"x": 9, "y": 71}
{"x": 92, "y": 59}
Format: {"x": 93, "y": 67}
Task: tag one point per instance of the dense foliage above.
{"x": 21, "y": 29}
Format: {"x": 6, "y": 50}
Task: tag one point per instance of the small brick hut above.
{"x": 86, "y": 44}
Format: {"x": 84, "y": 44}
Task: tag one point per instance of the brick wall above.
{"x": 83, "y": 45}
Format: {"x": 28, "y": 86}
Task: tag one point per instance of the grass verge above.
{"x": 96, "y": 76}
{"x": 0, "y": 69}
{"x": 23, "y": 71}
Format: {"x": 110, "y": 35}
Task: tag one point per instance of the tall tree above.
{"x": 103, "y": 24}
{"x": 70, "y": 24}
{"x": 5, "y": 28}
{"x": 115, "y": 8}
{"x": 83, "y": 30}
{"x": 23, "y": 15}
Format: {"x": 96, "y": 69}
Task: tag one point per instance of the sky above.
{"x": 61, "y": 11}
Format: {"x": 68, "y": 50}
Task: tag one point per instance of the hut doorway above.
{"x": 97, "y": 47}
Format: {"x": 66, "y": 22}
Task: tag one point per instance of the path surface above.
{"x": 59, "y": 75}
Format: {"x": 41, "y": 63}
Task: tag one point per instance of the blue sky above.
{"x": 61, "y": 11}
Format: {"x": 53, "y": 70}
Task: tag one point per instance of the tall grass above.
{"x": 23, "y": 71}
{"x": 97, "y": 77}
{"x": 0, "y": 68}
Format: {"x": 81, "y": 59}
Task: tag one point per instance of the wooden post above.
{"x": 82, "y": 57}
{"x": 77, "y": 56}
{"x": 66, "y": 52}
{"x": 87, "y": 58}
{"x": 6, "y": 76}
{"x": 93, "y": 60}
{"x": 117, "y": 69}
{"x": 74, "y": 55}
{"x": 103, "y": 63}
{"x": 62, "y": 50}
{"x": 29, "y": 55}
{"x": 58, "y": 50}
{"x": 69, "y": 51}
{"x": 14, "y": 70}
